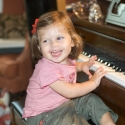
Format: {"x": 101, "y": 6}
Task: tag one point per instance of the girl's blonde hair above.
{"x": 53, "y": 18}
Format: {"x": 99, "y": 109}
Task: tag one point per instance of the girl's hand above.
{"x": 86, "y": 65}
{"x": 100, "y": 72}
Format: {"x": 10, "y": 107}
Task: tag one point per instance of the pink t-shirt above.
{"x": 40, "y": 97}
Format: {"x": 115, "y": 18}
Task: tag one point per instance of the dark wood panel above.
{"x": 112, "y": 95}
{"x": 110, "y": 44}
{"x": 114, "y": 31}
{"x": 112, "y": 92}
{"x": 116, "y": 109}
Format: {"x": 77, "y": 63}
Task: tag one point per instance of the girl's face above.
{"x": 55, "y": 44}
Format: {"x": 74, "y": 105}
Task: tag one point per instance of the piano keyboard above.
{"x": 116, "y": 77}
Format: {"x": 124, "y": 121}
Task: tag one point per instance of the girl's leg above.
{"x": 92, "y": 107}
{"x": 107, "y": 119}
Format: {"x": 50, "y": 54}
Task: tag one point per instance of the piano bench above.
{"x": 17, "y": 110}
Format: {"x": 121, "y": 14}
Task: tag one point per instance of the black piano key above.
{"x": 110, "y": 64}
{"x": 89, "y": 54}
{"x": 120, "y": 70}
{"x": 92, "y": 52}
{"x": 107, "y": 58}
{"x": 119, "y": 65}
{"x": 115, "y": 64}
{"x": 110, "y": 60}
{"x": 104, "y": 59}
{"x": 123, "y": 66}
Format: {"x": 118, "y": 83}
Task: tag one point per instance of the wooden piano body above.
{"x": 111, "y": 39}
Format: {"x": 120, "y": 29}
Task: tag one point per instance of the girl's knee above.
{"x": 93, "y": 98}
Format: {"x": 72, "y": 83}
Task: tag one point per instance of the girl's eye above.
{"x": 44, "y": 41}
{"x": 60, "y": 38}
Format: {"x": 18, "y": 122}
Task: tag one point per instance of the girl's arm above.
{"x": 72, "y": 90}
{"x": 69, "y": 90}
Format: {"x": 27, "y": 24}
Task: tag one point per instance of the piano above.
{"x": 107, "y": 41}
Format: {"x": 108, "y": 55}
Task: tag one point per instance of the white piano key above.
{"x": 120, "y": 75}
{"x": 96, "y": 65}
{"x": 116, "y": 77}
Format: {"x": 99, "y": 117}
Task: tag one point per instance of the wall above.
{"x": 13, "y": 7}
{"x": 61, "y": 5}
{"x": 13, "y": 21}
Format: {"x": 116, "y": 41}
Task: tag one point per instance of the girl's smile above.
{"x": 56, "y": 53}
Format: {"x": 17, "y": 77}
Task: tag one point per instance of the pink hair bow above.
{"x": 34, "y": 26}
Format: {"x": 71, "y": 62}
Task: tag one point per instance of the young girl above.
{"x": 53, "y": 96}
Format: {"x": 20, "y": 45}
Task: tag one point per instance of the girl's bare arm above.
{"x": 72, "y": 90}
{"x": 69, "y": 90}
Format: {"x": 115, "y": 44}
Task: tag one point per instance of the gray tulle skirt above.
{"x": 74, "y": 112}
